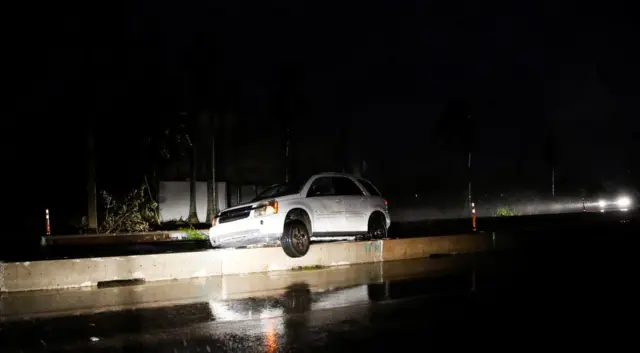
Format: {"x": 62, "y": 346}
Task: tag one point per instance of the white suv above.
{"x": 327, "y": 205}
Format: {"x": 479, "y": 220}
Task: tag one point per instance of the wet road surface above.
{"x": 540, "y": 300}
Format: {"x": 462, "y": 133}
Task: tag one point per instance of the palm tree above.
{"x": 204, "y": 93}
{"x": 168, "y": 146}
{"x": 206, "y": 141}
{"x": 189, "y": 143}
{"x": 173, "y": 143}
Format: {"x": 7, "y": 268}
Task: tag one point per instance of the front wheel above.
{"x": 295, "y": 239}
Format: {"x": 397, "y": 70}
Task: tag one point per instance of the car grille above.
{"x": 234, "y": 215}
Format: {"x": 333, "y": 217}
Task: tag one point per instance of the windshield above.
{"x": 279, "y": 191}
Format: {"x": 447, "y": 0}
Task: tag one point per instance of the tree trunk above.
{"x": 193, "y": 212}
{"x": 212, "y": 196}
{"x": 92, "y": 197}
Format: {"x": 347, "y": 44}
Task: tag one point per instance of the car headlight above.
{"x": 624, "y": 202}
{"x": 215, "y": 219}
{"x": 602, "y": 203}
{"x": 266, "y": 208}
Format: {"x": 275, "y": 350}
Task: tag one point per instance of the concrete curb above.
{"x": 72, "y": 273}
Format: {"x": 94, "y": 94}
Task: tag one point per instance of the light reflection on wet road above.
{"x": 495, "y": 300}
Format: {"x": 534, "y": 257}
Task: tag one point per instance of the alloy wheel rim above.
{"x": 299, "y": 238}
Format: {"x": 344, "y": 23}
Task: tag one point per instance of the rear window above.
{"x": 369, "y": 187}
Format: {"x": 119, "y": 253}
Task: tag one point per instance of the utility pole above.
{"x": 92, "y": 197}
{"x": 469, "y": 195}
{"x": 469, "y": 187}
{"x": 553, "y": 181}
{"x": 551, "y": 156}
{"x": 288, "y": 107}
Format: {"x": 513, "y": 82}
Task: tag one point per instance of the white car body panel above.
{"x": 327, "y": 214}
{"x": 357, "y": 211}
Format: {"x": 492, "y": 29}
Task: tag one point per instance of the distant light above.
{"x": 602, "y": 203}
{"x": 624, "y": 202}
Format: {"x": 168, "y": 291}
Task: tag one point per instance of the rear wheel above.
{"x": 295, "y": 239}
{"x": 377, "y": 228}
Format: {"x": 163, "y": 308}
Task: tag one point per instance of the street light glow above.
{"x": 624, "y": 202}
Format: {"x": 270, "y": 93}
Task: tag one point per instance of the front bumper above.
{"x": 248, "y": 231}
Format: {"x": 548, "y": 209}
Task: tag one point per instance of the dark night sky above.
{"x": 389, "y": 67}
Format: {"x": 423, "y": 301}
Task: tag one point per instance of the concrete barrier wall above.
{"x": 423, "y": 247}
{"x": 323, "y": 254}
{"x": 70, "y": 273}
{"x": 39, "y": 275}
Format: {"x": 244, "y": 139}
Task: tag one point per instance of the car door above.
{"x": 327, "y": 205}
{"x": 373, "y": 200}
{"x": 354, "y": 199}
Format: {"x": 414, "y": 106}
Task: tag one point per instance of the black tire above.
{"x": 377, "y": 227}
{"x": 295, "y": 239}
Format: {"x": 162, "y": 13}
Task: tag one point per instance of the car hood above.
{"x": 256, "y": 203}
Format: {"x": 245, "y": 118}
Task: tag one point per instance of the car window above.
{"x": 279, "y": 191}
{"x": 369, "y": 187}
{"x": 346, "y": 187}
{"x": 322, "y": 186}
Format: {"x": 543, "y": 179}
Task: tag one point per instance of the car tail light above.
{"x": 214, "y": 221}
